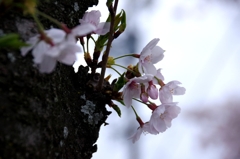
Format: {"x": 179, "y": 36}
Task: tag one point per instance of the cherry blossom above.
{"x": 150, "y": 55}
{"x": 135, "y": 137}
{"x": 93, "y": 17}
{"x": 162, "y": 116}
{"x": 169, "y": 89}
{"x": 159, "y": 76}
{"x": 133, "y": 89}
{"x": 146, "y": 127}
{"x": 152, "y": 90}
{"x": 55, "y": 46}
{"x": 144, "y": 97}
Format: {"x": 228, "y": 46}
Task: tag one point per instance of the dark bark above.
{"x": 47, "y": 116}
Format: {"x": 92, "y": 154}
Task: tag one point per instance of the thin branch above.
{"x": 110, "y": 39}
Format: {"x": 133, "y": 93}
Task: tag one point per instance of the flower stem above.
{"x": 116, "y": 71}
{"x": 87, "y": 43}
{"x": 50, "y": 18}
{"x": 124, "y": 56}
{"x": 135, "y": 112}
{"x": 39, "y": 24}
{"x": 93, "y": 39}
{"x": 82, "y": 43}
{"x": 125, "y": 68}
{"x": 139, "y": 101}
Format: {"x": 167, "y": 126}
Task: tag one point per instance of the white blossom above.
{"x": 57, "y": 46}
{"x": 146, "y": 127}
{"x": 162, "y": 116}
{"x": 93, "y": 17}
{"x": 132, "y": 89}
{"x": 150, "y": 55}
{"x": 169, "y": 89}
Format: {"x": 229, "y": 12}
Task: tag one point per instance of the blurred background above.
{"x": 201, "y": 39}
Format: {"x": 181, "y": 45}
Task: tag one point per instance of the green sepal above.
{"x": 11, "y": 41}
{"x": 120, "y": 101}
{"x": 117, "y": 109}
{"x": 120, "y": 83}
{"x": 101, "y": 42}
{"x": 123, "y": 22}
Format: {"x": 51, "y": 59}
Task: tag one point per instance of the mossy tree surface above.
{"x": 46, "y": 115}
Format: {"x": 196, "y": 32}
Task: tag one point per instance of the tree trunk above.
{"x": 47, "y": 116}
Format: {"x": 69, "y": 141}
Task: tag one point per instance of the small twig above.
{"x": 112, "y": 11}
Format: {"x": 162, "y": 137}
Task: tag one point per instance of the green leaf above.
{"x": 117, "y": 109}
{"x": 11, "y": 41}
{"x": 120, "y": 101}
{"x": 123, "y": 22}
{"x": 101, "y": 42}
{"x": 120, "y": 83}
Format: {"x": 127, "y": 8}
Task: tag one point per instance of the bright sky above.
{"x": 202, "y": 51}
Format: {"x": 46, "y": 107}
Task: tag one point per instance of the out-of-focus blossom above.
{"x": 144, "y": 128}
{"x": 150, "y": 55}
{"x": 162, "y": 116}
{"x": 135, "y": 137}
{"x": 93, "y": 17}
{"x": 171, "y": 88}
{"x": 57, "y": 45}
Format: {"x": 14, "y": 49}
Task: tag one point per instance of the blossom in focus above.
{"x": 93, "y": 17}
{"x": 169, "y": 89}
{"x": 162, "y": 116}
{"x": 133, "y": 89}
{"x": 150, "y": 55}
{"x": 55, "y": 46}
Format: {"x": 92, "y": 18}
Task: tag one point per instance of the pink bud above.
{"x": 152, "y": 91}
{"x": 144, "y": 97}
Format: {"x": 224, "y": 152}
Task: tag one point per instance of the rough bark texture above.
{"x": 47, "y": 116}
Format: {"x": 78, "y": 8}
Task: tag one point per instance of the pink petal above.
{"x": 68, "y": 55}
{"x": 48, "y": 64}
{"x": 82, "y": 30}
{"x": 151, "y": 44}
{"x": 39, "y": 51}
{"x": 165, "y": 96}
{"x": 149, "y": 68}
{"x": 32, "y": 42}
{"x": 157, "y": 54}
{"x": 148, "y": 127}
{"x": 179, "y": 91}
{"x": 159, "y": 125}
{"x": 57, "y": 35}
{"x": 159, "y": 76}
{"x": 152, "y": 91}
{"x": 127, "y": 98}
{"x": 135, "y": 137}
{"x": 102, "y": 28}
{"x": 144, "y": 97}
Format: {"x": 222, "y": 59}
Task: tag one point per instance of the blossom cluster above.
{"x": 143, "y": 81}
{"x": 145, "y": 86}
{"x": 54, "y": 45}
